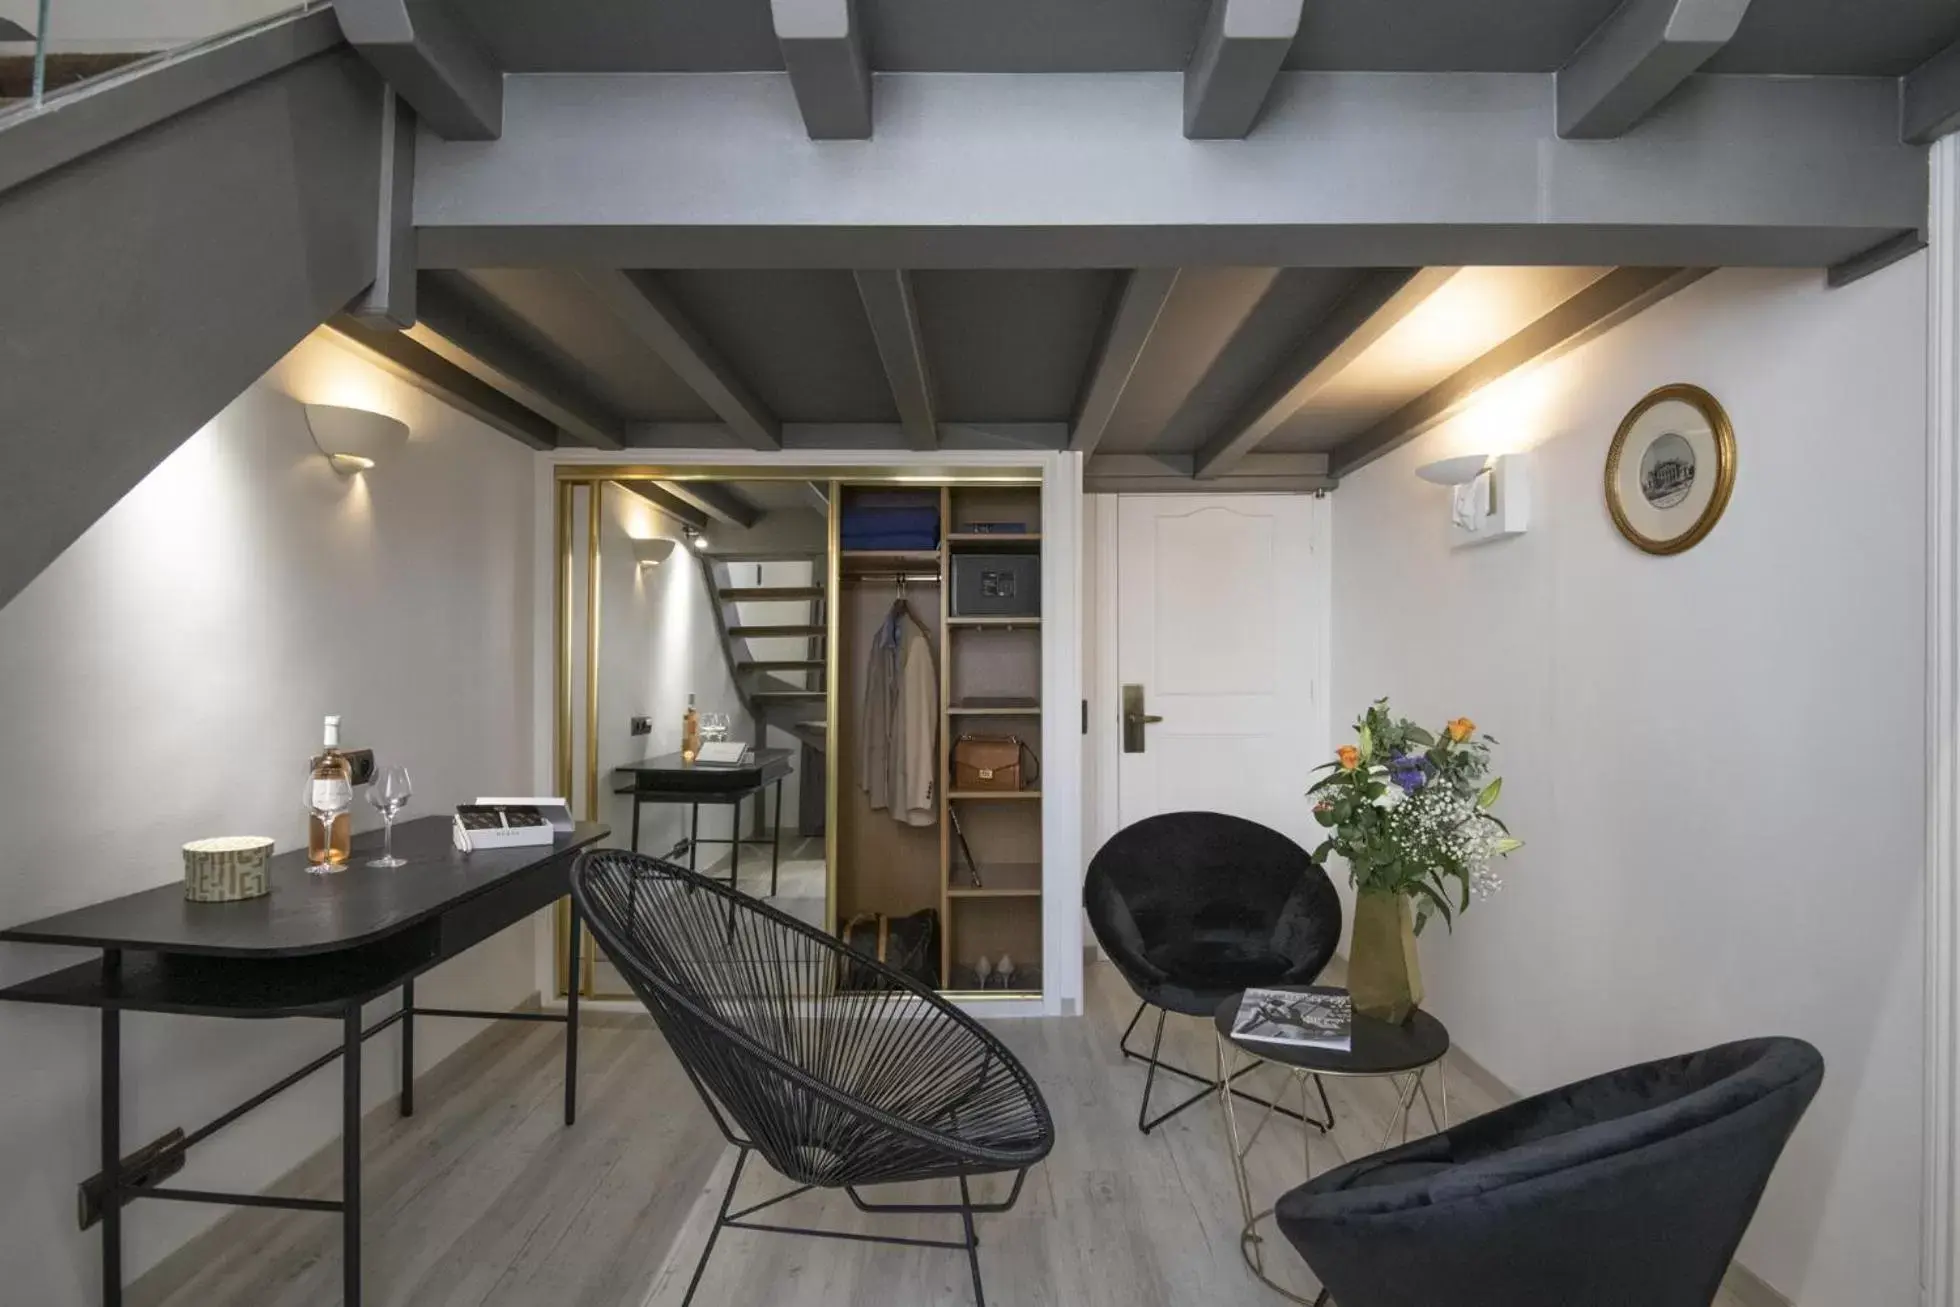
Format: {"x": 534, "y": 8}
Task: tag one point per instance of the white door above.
{"x": 1222, "y": 620}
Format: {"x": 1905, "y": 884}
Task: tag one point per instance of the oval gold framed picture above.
{"x": 1671, "y": 468}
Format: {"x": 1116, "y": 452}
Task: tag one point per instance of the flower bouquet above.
{"x": 1410, "y": 811}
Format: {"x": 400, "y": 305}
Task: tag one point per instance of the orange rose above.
{"x": 1350, "y": 757}
{"x": 1460, "y": 729}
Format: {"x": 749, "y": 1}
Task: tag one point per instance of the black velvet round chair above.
{"x": 1193, "y": 907}
{"x": 1629, "y": 1190}
{"x": 839, "y": 1071}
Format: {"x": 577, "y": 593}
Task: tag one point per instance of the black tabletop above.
{"x": 667, "y": 772}
{"x": 305, "y": 913}
{"x": 1379, "y": 1049}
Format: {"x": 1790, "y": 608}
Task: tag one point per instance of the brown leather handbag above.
{"x": 993, "y": 762}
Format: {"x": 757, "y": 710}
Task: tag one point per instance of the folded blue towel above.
{"x": 882, "y": 521}
{"x": 891, "y": 540}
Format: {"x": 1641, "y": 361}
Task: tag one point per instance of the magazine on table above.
{"x": 1313, "y": 1018}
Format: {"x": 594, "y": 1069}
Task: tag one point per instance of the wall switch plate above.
{"x": 360, "y": 763}
{"x": 643, "y": 726}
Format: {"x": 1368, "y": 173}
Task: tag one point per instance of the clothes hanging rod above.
{"x": 910, "y": 578}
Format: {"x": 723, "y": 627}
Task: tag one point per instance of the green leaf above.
{"x": 1367, "y": 744}
{"x": 1442, "y": 904}
{"x": 1491, "y": 791}
{"x": 1419, "y": 736}
{"x": 1506, "y": 846}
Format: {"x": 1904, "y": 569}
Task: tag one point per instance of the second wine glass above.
{"x": 390, "y": 794}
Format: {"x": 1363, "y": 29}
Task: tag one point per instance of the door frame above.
{"x": 1102, "y": 517}
{"x": 560, "y": 474}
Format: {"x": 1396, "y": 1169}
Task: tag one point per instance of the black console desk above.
{"x": 670, "y": 779}
{"x": 316, "y": 946}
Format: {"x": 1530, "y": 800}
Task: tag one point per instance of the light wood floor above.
{"x": 484, "y": 1199}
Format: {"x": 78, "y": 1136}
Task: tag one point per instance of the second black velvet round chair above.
{"x": 1193, "y": 907}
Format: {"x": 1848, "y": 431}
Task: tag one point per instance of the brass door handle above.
{"x": 1135, "y": 719}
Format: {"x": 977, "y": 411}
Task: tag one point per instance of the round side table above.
{"x": 1404, "y": 1054}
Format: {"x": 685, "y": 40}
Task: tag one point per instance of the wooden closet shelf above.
{"x": 1000, "y": 880}
{"x": 1017, "y": 708}
{"x": 990, "y": 541}
{"x": 868, "y": 560}
{"x": 993, "y": 621}
{"x": 978, "y": 795}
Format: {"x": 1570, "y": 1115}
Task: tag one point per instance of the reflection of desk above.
{"x": 667, "y": 779}
{"x": 317, "y": 946}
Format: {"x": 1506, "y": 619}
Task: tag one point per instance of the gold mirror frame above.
{"x": 1718, "y": 423}
{"x": 568, "y": 480}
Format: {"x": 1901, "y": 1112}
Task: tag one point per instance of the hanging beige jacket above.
{"x": 898, "y": 761}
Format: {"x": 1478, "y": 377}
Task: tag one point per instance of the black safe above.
{"x": 996, "y": 585}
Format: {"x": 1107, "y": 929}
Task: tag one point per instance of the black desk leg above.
{"x": 776, "y": 849}
{"x": 635, "y": 846}
{"x": 350, "y": 1157}
{"x": 735, "y": 841}
{"x": 111, "y": 1139}
{"x": 571, "y": 1017}
{"x": 693, "y": 832}
{"x": 408, "y": 1048}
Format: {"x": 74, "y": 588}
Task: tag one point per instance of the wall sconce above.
{"x": 1489, "y": 498}
{"x": 652, "y": 553}
{"x": 352, "y": 439}
{"x": 695, "y": 538}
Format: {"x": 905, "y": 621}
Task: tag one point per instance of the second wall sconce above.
{"x": 354, "y": 439}
{"x": 1489, "y": 497}
{"x": 653, "y": 552}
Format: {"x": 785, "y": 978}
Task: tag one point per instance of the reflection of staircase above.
{"x": 775, "y": 654}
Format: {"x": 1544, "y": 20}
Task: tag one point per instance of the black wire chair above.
{"x": 838, "y": 1070}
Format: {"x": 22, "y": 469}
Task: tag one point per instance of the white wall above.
{"x": 164, "y": 680}
{"x": 1714, "y": 758}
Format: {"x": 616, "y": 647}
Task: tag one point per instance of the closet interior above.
{"x": 958, "y": 567}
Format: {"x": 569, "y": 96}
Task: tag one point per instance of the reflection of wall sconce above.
{"x": 1489, "y": 498}
{"x": 695, "y": 537}
{"x": 353, "y": 439}
{"x": 652, "y": 553}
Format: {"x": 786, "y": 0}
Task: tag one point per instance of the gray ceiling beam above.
{"x": 657, "y": 494}
{"x": 436, "y": 66}
{"x": 639, "y": 301}
{"x": 1240, "y": 51}
{"x": 723, "y": 503}
{"x": 1074, "y": 170}
{"x": 459, "y": 331}
{"x": 1597, "y": 309}
{"x": 1152, "y": 474}
{"x": 1138, "y": 306}
{"x": 881, "y": 436}
{"x": 433, "y": 375}
{"x": 1879, "y": 257}
{"x": 1929, "y": 98}
{"x": 12, "y": 31}
{"x": 1638, "y": 57}
{"x": 390, "y": 301}
{"x": 888, "y": 303}
{"x": 823, "y": 49}
{"x": 1379, "y": 299}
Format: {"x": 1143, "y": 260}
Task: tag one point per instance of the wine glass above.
{"x": 714, "y": 727}
{"x": 389, "y": 794}
{"x": 327, "y": 797}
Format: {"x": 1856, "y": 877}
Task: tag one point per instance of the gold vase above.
{"x": 1384, "y": 974}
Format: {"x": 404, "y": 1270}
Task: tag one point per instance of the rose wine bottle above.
{"x": 331, "y": 794}
{"x": 690, "y": 732}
